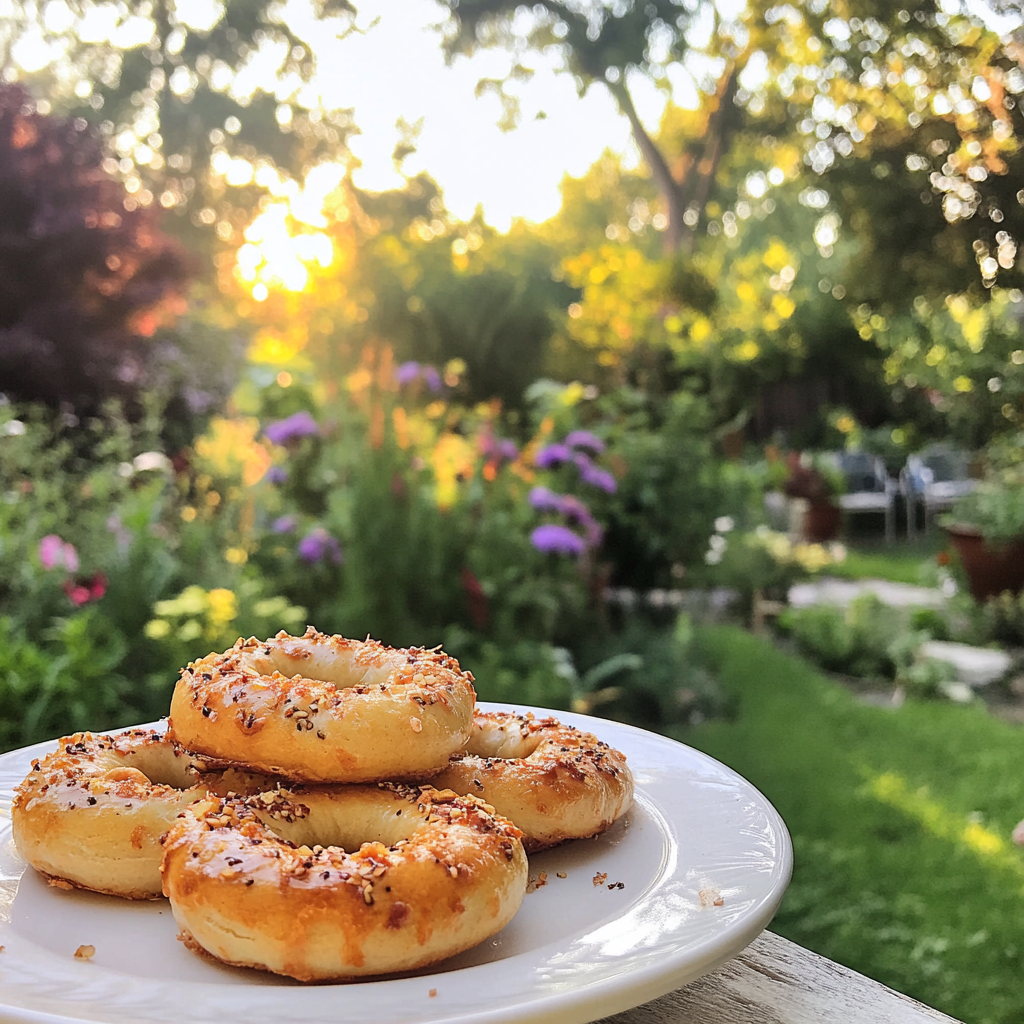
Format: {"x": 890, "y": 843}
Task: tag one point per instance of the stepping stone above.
{"x": 975, "y": 666}
{"x": 959, "y": 693}
{"x": 841, "y": 593}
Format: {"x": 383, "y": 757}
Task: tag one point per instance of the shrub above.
{"x": 648, "y": 675}
{"x": 84, "y": 281}
{"x": 871, "y": 640}
{"x": 859, "y": 640}
{"x": 67, "y": 680}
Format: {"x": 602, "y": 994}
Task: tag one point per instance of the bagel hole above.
{"x": 300, "y": 658}
{"x": 349, "y": 823}
{"x": 161, "y": 766}
{"x": 501, "y": 744}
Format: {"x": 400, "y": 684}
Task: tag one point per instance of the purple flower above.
{"x": 285, "y": 524}
{"x": 557, "y": 540}
{"x": 407, "y": 373}
{"x": 299, "y": 424}
{"x": 498, "y": 448}
{"x": 594, "y": 475}
{"x": 544, "y": 500}
{"x": 552, "y": 455}
{"x": 277, "y": 475}
{"x": 432, "y": 377}
{"x": 574, "y": 510}
{"x": 585, "y": 439}
{"x": 507, "y": 449}
{"x": 412, "y": 371}
{"x": 319, "y": 545}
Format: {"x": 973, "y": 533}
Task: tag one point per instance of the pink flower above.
{"x": 54, "y": 552}
{"x": 81, "y": 591}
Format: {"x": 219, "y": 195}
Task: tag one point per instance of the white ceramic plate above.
{"x": 703, "y": 860}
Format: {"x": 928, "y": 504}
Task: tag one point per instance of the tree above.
{"x": 843, "y": 82}
{"x": 186, "y": 123}
{"x": 84, "y": 282}
{"x": 607, "y": 43}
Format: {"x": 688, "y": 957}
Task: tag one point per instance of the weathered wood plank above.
{"x": 775, "y": 981}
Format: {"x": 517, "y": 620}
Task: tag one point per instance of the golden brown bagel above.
{"x": 91, "y": 814}
{"x": 554, "y": 781}
{"x": 322, "y": 708}
{"x": 440, "y": 874}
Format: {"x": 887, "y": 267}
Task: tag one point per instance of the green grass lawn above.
{"x": 903, "y": 562}
{"x": 900, "y": 821}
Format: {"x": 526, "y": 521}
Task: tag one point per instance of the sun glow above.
{"x": 279, "y": 249}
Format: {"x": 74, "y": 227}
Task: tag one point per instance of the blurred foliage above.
{"x": 84, "y": 283}
{"x": 843, "y": 169}
{"x": 995, "y": 507}
{"x": 189, "y": 123}
{"x": 858, "y": 640}
{"x": 790, "y": 76}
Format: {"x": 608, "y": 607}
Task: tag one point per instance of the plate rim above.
{"x": 605, "y": 996}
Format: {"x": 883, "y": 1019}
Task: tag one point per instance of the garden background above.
{"x": 242, "y": 394}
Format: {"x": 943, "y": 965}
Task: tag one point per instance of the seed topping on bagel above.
{"x": 90, "y": 814}
{"x": 264, "y": 882}
{"x": 556, "y": 782}
{"x": 374, "y": 711}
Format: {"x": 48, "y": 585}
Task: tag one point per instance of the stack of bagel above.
{"x": 320, "y": 807}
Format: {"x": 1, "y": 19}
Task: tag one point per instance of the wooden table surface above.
{"x": 775, "y": 981}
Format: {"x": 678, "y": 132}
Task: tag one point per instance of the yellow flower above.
{"x": 223, "y": 607}
{"x": 191, "y": 601}
{"x": 156, "y": 629}
{"x": 190, "y": 631}
{"x": 812, "y": 557}
{"x": 230, "y": 447}
{"x": 452, "y": 460}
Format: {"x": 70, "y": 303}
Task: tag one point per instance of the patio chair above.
{"x": 869, "y": 488}
{"x": 934, "y": 479}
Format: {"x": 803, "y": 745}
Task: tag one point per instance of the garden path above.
{"x": 839, "y": 592}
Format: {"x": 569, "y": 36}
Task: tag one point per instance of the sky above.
{"x": 396, "y": 69}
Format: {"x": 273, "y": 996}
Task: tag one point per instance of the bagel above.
{"x": 91, "y": 813}
{"x": 554, "y": 781}
{"x": 435, "y": 874}
{"x": 322, "y": 708}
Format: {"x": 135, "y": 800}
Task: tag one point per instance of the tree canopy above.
{"x": 200, "y": 109}
{"x": 877, "y": 105}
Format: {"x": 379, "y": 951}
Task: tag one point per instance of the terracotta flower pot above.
{"x": 990, "y": 569}
{"x": 822, "y": 521}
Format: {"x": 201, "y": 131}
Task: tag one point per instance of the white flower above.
{"x": 717, "y": 543}
{"x": 723, "y": 524}
{"x": 837, "y": 551}
{"x": 151, "y": 460}
{"x": 713, "y": 557}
